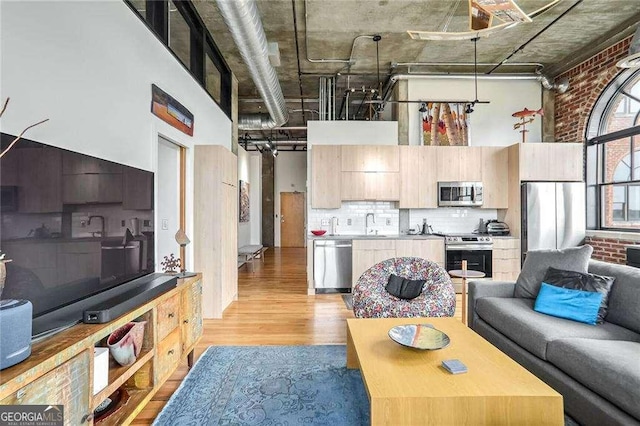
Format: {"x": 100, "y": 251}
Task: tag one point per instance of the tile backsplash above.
{"x": 351, "y": 217}
{"x": 450, "y": 219}
{"x": 391, "y": 220}
{"x": 114, "y": 215}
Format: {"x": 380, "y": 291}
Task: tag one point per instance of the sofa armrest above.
{"x": 480, "y": 289}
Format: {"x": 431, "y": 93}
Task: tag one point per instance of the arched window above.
{"x": 613, "y": 156}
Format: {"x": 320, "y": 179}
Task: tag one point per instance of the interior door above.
{"x": 292, "y": 219}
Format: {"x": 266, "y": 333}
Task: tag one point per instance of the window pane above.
{"x": 614, "y": 206}
{"x": 592, "y": 164}
{"x": 634, "y": 206}
{"x": 179, "y": 35}
{"x": 140, "y": 6}
{"x": 617, "y": 155}
{"x": 212, "y": 78}
{"x": 636, "y": 158}
{"x": 591, "y": 207}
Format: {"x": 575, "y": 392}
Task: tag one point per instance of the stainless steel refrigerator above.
{"x": 553, "y": 215}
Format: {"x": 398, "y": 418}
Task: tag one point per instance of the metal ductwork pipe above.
{"x": 243, "y": 19}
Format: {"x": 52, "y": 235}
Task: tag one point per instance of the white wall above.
{"x": 89, "y": 66}
{"x": 490, "y": 124}
{"x": 352, "y": 133}
{"x": 290, "y": 176}
{"x": 168, "y": 201}
{"x": 255, "y": 198}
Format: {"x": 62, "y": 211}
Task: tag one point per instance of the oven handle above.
{"x": 488, "y": 247}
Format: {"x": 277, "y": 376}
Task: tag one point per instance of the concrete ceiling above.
{"x": 331, "y": 26}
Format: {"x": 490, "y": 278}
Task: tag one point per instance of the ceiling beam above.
{"x": 596, "y": 46}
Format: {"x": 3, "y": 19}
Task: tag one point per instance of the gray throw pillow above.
{"x": 538, "y": 261}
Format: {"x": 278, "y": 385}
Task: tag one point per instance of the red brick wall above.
{"x": 586, "y": 83}
{"x": 610, "y": 249}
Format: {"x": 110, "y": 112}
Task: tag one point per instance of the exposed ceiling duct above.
{"x": 632, "y": 60}
{"x": 560, "y": 86}
{"x": 243, "y": 19}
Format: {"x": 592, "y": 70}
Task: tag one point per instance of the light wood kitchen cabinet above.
{"x": 458, "y": 163}
{"x": 92, "y": 188}
{"x": 506, "y": 259}
{"x": 325, "y": 177}
{"x": 39, "y": 180}
{"x": 495, "y": 177}
{"x": 358, "y": 186}
{"x": 370, "y": 158}
{"x": 366, "y": 253}
{"x": 430, "y": 249}
{"x": 215, "y": 224}
{"x": 551, "y": 162}
{"x": 418, "y": 181}
{"x": 135, "y": 189}
{"x": 75, "y": 164}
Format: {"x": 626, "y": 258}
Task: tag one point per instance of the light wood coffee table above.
{"x": 408, "y": 386}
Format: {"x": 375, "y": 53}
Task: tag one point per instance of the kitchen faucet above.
{"x": 366, "y": 222}
{"x": 101, "y": 232}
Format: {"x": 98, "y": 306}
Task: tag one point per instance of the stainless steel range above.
{"x": 476, "y": 249}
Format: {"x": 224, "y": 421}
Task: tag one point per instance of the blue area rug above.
{"x": 269, "y": 385}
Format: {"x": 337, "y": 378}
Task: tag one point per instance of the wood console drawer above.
{"x": 168, "y": 354}
{"x": 168, "y": 317}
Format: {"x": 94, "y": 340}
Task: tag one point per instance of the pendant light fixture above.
{"x": 468, "y": 109}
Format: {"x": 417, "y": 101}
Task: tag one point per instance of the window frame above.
{"x": 596, "y": 136}
{"x": 156, "y": 19}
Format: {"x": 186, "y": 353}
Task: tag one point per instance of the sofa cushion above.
{"x": 516, "y": 319}
{"x": 538, "y": 261}
{"x": 585, "y": 282}
{"x": 624, "y": 298}
{"x": 609, "y": 368}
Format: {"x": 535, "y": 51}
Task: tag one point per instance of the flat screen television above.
{"x": 78, "y": 230}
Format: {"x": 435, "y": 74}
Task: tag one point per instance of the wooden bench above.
{"x": 250, "y": 253}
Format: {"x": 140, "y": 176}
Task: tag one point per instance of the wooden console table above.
{"x": 60, "y": 369}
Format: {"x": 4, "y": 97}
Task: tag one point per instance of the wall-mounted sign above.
{"x": 165, "y": 107}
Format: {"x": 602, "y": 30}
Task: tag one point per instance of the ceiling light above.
{"x": 560, "y": 86}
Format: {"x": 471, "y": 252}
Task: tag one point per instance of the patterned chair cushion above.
{"x": 371, "y": 299}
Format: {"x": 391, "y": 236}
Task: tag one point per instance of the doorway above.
{"x": 169, "y": 206}
{"x": 292, "y": 219}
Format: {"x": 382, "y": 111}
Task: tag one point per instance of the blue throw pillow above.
{"x": 576, "y": 305}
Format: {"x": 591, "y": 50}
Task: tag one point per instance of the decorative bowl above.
{"x": 125, "y": 343}
{"x": 419, "y": 336}
{"x": 319, "y": 232}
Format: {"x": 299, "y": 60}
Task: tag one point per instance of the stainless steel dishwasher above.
{"x": 332, "y": 265}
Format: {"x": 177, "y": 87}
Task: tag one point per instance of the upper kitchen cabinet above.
{"x": 363, "y": 186}
{"x": 76, "y": 164}
{"x": 39, "y": 177}
{"x": 325, "y": 177}
{"x": 370, "y": 158}
{"x": 418, "y": 183}
{"x": 495, "y": 177}
{"x": 551, "y": 162}
{"x": 458, "y": 163}
{"x": 135, "y": 189}
{"x": 92, "y": 188}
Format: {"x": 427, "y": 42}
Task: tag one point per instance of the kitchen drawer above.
{"x": 506, "y": 265}
{"x": 506, "y": 243}
{"x": 168, "y": 354}
{"x": 168, "y": 318}
{"x": 506, "y": 254}
{"x": 374, "y": 244}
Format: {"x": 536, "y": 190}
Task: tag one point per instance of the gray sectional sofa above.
{"x": 596, "y": 368}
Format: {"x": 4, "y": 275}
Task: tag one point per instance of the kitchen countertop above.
{"x": 375, "y": 237}
{"x": 63, "y": 240}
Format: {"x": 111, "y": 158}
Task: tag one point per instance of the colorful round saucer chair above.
{"x": 371, "y": 299}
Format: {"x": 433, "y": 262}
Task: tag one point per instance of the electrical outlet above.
{"x": 122, "y": 223}
{"x": 324, "y": 222}
{"x": 349, "y": 222}
{"x": 388, "y": 221}
{"x": 146, "y": 222}
{"x": 165, "y": 224}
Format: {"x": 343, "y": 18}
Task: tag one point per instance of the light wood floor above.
{"x": 272, "y": 309}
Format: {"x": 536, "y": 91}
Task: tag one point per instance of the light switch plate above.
{"x": 324, "y": 222}
{"x": 165, "y": 224}
{"x": 388, "y": 221}
{"x": 349, "y": 222}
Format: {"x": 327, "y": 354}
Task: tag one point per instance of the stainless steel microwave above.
{"x": 460, "y": 194}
